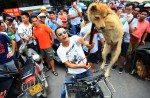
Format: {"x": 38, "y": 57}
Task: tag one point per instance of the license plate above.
{"x": 35, "y": 89}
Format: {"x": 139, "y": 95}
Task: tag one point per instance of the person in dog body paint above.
{"x": 94, "y": 53}
{"x": 75, "y": 13}
{"x": 129, "y": 25}
{"x": 72, "y": 56}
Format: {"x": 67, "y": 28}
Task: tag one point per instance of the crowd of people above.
{"x": 42, "y": 31}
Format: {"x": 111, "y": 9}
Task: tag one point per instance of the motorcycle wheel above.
{"x": 44, "y": 93}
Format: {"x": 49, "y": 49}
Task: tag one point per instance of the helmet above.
{"x": 36, "y": 58}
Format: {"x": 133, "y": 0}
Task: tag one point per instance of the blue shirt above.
{"x": 4, "y": 39}
{"x": 54, "y": 26}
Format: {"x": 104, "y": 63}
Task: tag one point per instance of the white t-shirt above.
{"x": 97, "y": 37}
{"x": 24, "y": 31}
{"x": 126, "y": 26}
{"x": 74, "y": 12}
{"x": 74, "y": 54}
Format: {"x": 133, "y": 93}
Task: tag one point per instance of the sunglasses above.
{"x": 60, "y": 34}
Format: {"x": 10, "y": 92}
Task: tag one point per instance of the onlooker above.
{"x": 75, "y": 13}
{"x": 72, "y": 56}
{"x": 45, "y": 37}
{"x": 143, "y": 28}
{"x": 25, "y": 30}
{"x": 136, "y": 12}
{"x": 54, "y": 22}
{"x": 129, "y": 25}
{"x": 44, "y": 10}
{"x": 6, "y": 61}
{"x": 42, "y": 17}
{"x": 119, "y": 12}
{"x": 94, "y": 53}
{"x": 63, "y": 17}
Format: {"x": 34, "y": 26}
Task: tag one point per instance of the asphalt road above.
{"x": 126, "y": 86}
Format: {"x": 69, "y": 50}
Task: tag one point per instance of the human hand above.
{"x": 7, "y": 22}
{"x": 10, "y": 54}
{"x": 128, "y": 19}
{"x": 143, "y": 42}
{"x": 86, "y": 66}
{"x": 54, "y": 20}
{"x": 90, "y": 46}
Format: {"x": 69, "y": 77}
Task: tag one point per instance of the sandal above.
{"x": 55, "y": 73}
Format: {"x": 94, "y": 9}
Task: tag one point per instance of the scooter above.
{"x": 34, "y": 81}
{"x": 9, "y": 84}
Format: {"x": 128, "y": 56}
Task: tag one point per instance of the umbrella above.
{"x": 140, "y": 1}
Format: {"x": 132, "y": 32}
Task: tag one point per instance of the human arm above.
{"x": 78, "y": 10}
{"x": 10, "y": 54}
{"x": 59, "y": 22}
{"x": 11, "y": 27}
{"x": 86, "y": 43}
{"x": 74, "y": 66}
{"x": 79, "y": 13}
{"x": 131, "y": 27}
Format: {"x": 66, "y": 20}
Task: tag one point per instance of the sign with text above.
{"x": 12, "y": 11}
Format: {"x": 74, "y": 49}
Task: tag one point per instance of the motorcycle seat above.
{"x": 28, "y": 69}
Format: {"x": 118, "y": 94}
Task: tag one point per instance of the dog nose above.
{"x": 103, "y": 27}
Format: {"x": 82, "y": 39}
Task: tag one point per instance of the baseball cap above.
{"x": 43, "y": 8}
{"x": 147, "y": 5}
{"x": 42, "y": 14}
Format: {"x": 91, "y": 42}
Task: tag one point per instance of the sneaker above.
{"x": 120, "y": 70}
{"x": 114, "y": 67}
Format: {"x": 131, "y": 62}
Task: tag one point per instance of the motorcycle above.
{"x": 87, "y": 87}
{"x": 9, "y": 85}
{"x": 34, "y": 81}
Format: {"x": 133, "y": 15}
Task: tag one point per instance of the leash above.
{"x": 93, "y": 31}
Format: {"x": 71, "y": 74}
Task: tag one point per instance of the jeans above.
{"x": 69, "y": 79}
{"x": 75, "y": 29}
{"x": 9, "y": 66}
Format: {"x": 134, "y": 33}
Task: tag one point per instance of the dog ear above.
{"x": 93, "y": 8}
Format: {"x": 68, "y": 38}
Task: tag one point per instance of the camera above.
{"x": 10, "y": 19}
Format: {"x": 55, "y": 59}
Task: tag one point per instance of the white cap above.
{"x": 147, "y": 5}
{"x": 1, "y": 18}
{"x": 41, "y": 14}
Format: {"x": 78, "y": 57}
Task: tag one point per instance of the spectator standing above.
{"x": 45, "y": 37}
{"x": 54, "y": 22}
{"x": 136, "y": 12}
{"x": 143, "y": 28}
{"x": 72, "y": 56}
{"x": 119, "y": 12}
{"x": 75, "y": 13}
{"x": 94, "y": 53}
{"x": 42, "y": 18}
{"x": 6, "y": 61}
{"x": 63, "y": 17}
{"x": 129, "y": 25}
{"x": 25, "y": 30}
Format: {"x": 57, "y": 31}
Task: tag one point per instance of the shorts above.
{"x": 47, "y": 53}
{"x": 124, "y": 49}
{"x": 131, "y": 48}
{"x": 93, "y": 57}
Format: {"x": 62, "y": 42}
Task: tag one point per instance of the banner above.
{"x": 12, "y": 11}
